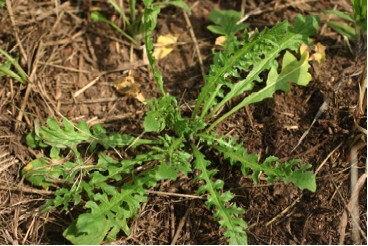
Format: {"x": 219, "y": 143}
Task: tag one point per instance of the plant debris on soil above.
{"x": 72, "y": 64}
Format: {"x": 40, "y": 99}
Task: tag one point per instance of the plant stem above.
{"x": 21, "y": 72}
{"x": 132, "y": 4}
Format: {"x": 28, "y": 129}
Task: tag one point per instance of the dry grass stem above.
{"x": 181, "y": 224}
{"x": 80, "y": 91}
{"x": 198, "y": 50}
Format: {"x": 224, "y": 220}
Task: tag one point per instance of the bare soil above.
{"x": 62, "y": 51}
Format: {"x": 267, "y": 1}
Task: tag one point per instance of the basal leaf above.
{"x": 54, "y": 153}
{"x": 68, "y": 136}
{"x": 166, "y": 171}
{"x": 105, "y": 161}
{"x": 64, "y": 198}
{"x": 36, "y": 172}
{"x": 34, "y": 141}
{"x": 112, "y": 191}
{"x": 89, "y": 228}
{"x": 106, "y": 214}
{"x": 292, "y": 71}
{"x": 154, "y": 122}
{"x": 181, "y": 160}
{"x": 227, "y": 216}
{"x": 164, "y": 112}
{"x": 226, "y": 22}
{"x": 303, "y": 179}
{"x": 304, "y": 27}
{"x": 253, "y": 57}
{"x": 270, "y": 167}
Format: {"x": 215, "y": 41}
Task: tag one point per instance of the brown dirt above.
{"x": 62, "y": 51}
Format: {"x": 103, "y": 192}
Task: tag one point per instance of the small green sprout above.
{"x": 354, "y": 27}
{"x": 6, "y": 68}
{"x": 132, "y": 27}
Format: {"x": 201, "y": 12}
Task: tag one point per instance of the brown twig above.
{"x": 321, "y": 109}
{"x": 172, "y": 221}
{"x": 80, "y": 91}
{"x": 311, "y": 150}
{"x": 91, "y": 101}
{"x": 174, "y": 194}
{"x": 328, "y": 157}
{"x": 9, "y": 162}
{"x": 71, "y": 69}
{"x": 268, "y": 7}
{"x": 344, "y": 218}
{"x": 283, "y": 212}
{"x": 181, "y": 224}
{"x": 354, "y": 184}
{"x": 26, "y": 190}
{"x": 9, "y": 237}
{"x": 11, "y": 15}
{"x": 198, "y": 51}
{"x": 23, "y": 106}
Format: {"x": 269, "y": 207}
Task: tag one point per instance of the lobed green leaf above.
{"x": 226, "y": 22}
{"x": 253, "y": 56}
{"x": 107, "y": 214}
{"x": 292, "y": 71}
{"x": 271, "y": 168}
{"x": 227, "y": 216}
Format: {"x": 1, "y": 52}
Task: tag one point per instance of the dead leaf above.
{"x": 126, "y": 85}
{"x": 163, "y": 45}
{"x": 141, "y": 98}
{"x": 304, "y": 50}
{"x": 320, "y": 53}
{"x": 220, "y": 41}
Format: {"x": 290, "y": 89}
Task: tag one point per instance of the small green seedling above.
{"x": 6, "y": 68}
{"x": 110, "y": 191}
{"x": 340, "y": 27}
{"x": 133, "y": 24}
{"x": 355, "y": 25}
{"x": 360, "y": 14}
